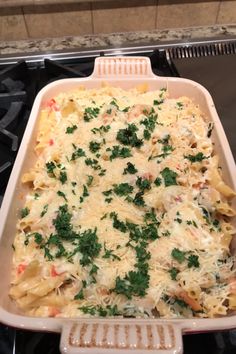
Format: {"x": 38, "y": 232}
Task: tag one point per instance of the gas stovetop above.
{"x": 213, "y": 64}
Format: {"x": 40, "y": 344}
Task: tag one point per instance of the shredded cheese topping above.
{"x": 127, "y": 213}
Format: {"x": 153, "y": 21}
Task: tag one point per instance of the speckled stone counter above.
{"x": 116, "y": 39}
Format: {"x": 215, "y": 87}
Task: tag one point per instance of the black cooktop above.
{"x": 20, "y": 82}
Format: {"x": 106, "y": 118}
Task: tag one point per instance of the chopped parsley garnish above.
{"x": 135, "y": 283}
{"x": 193, "y": 261}
{"x": 128, "y": 136}
{"x": 107, "y": 193}
{"x": 91, "y": 162}
{"x": 89, "y": 246}
{"x": 157, "y": 181}
{"x": 77, "y": 153}
{"x": 89, "y": 180}
{"x": 108, "y": 200}
{"x": 94, "y": 269}
{"x": 192, "y": 222}
{"x": 109, "y": 254}
{"x": 61, "y": 194}
{"x": 150, "y": 121}
{"x": 119, "y": 152}
{"x": 178, "y": 220}
{"x": 151, "y": 216}
{"x": 143, "y": 183}
{"x": 24, "y": 212}
{"x": 123, "y": 189}
{"x": 179, "y": 105}
{"x": 113, "y": 102}
{"x": 101, "y": 129}
{"x": 94, "y": 146}
{"x": 169, "y": 177}
{"x": 173, "y": 273}
{"x": 196, "y": 158}
{"x": 36, "y": 196}
{"x": 178, "y": 255}
{"x": 38, "y": 238}
{"x": 158, "y": 102}
{"x": 62, "y": 223}
{"x": 44, "y": 211}
{"x": 85, "y": 194}
{"x": 63, "y": 177}
{"x": 165, "y": 140}
{"x": 80, "y": 295}
{"x": 138, "y": 199}
{"x": 130, "y": 169}
{"x": 91, "y": 310}
{"x": 70, "y": 130}
{"x": 50, "y": 168}
{"x": 117, "y": 224}
{"x": 91, "y": 113}
{"x": 146, "y": 134}
{"x": 101, "y": 311}
{"x": 126, "y": 109}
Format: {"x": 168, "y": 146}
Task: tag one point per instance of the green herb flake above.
{"x": 157, "y": 181}
{"x": 122, "y": 189}
{"x": 117, "y": 224}
{"x": 91, "y": 310}
{"x": 50, "y": 168}
{"x": 110, "y": 254}
{"x": 138, "y": 199}
{"x": 108, "y": 200}
{"x": 77, "y": 153}
{"x": 101, "y": 129}
{"x": 70, "y": 130}
{"x": 63, "y": 177}
{"x": 119, "y": 152}
{"x": 165, "y": 140}
{"x": 61, "y": 194}
{"x": 94, "y": 146}
{"x": 128, "y": 136}
{"x": 169, "y": 177}
{"x": 44, "y": 211}
{"x": 130, "y": 169}
{"x": 179, "y": 105}
{"x": 143, "y": 183}
{"x": 178, "y": 255}
{"x": 173, "y": 273}
{"x": 24, "y": 212}
{"x": 80, "y": 295}
{"x": 135, "y": 283}
{"x": 196, "y": 158}
{"x": 89, "y": 246}
{"x": 91, "y": 113}
{"x": 193, "y": 261}
{"x": 89, "y": 180}
{"x": 158, "y": 102}
{"x": 36, "y": 196}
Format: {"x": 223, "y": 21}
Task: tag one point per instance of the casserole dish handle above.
{"x": 121, "y": 336}
{"x": 123, "y": 68}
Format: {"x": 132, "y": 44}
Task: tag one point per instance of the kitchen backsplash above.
{"x": 39, "y": 19}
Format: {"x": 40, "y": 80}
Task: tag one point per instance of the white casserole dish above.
{"x": 97, "y": 335}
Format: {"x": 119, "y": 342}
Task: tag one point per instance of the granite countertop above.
{"x": 116, "y": 39}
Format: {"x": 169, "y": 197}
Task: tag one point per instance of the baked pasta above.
{"x": 127, "y": 213}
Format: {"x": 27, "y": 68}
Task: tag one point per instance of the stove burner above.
{"x": 58, "y": 70}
